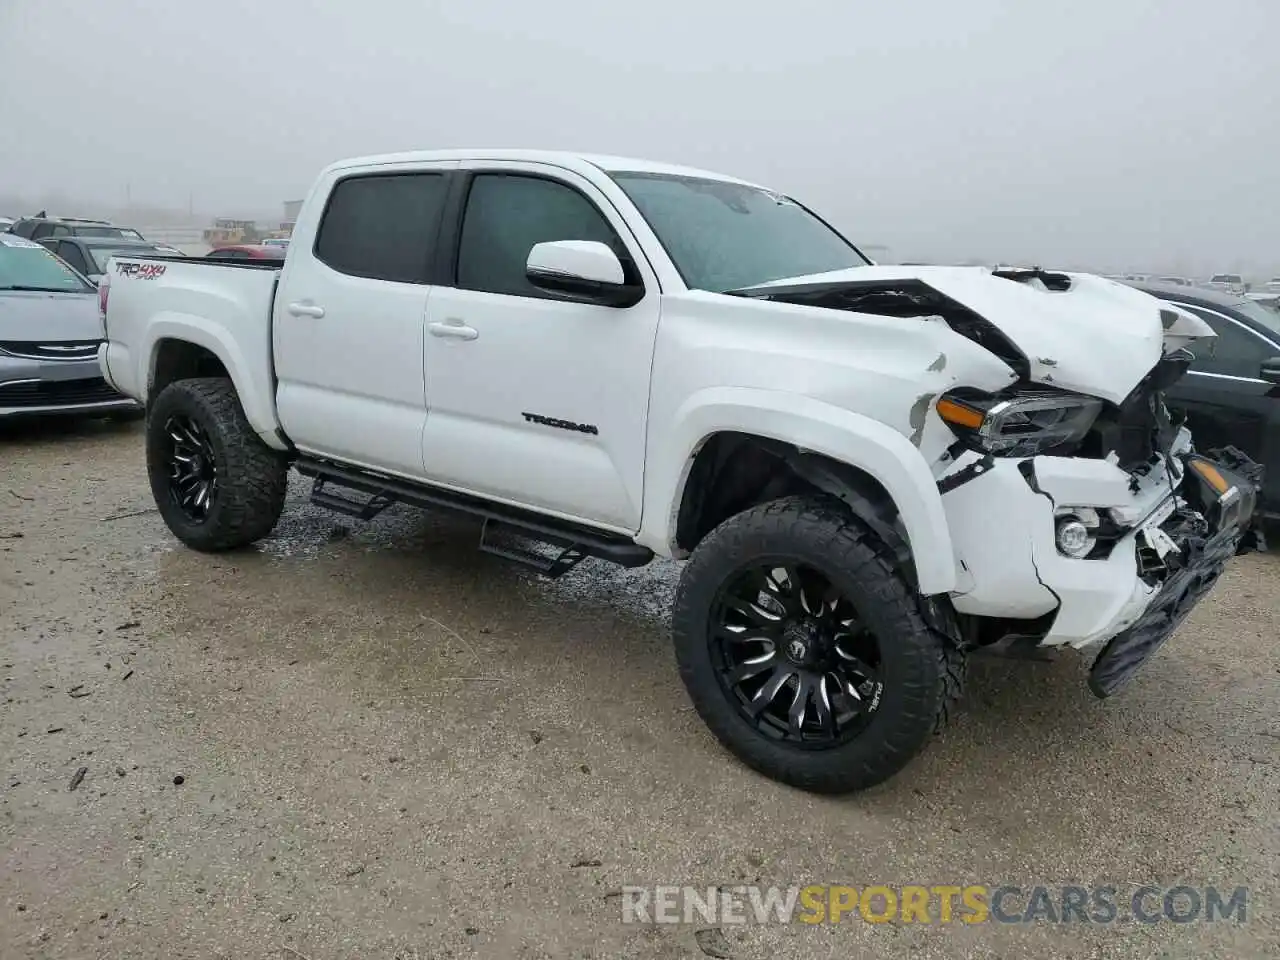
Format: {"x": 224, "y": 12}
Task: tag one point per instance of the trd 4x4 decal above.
{"x": 141, "y": 271}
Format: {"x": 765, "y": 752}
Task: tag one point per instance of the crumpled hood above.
{"x": 40, "y": 317}
{"x": 1099, "y": 337}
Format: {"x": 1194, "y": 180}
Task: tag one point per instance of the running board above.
{"x": 361, "y": 510}
{"x": 575, "y": 542}
{"x": 552, "y": 566}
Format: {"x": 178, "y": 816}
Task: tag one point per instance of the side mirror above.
{"x": 1270, "y": 370}
{"x": 583, "y": 270}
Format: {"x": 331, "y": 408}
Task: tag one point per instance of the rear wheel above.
{"x": 804, "y": 650}
{"x": 216, "y": 484}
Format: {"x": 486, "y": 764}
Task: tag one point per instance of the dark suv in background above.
{"x": 38, "y": 228}
{"x": 1231, "y": 394}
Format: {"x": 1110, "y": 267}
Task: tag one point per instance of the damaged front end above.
{"x": 1103, "y": 523}
{"x": 1183, "y": 557}
{"x": 1079, "y": 511}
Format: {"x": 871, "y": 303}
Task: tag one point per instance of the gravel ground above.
{"x": 391, "y": 745}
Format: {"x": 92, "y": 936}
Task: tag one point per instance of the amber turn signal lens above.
{"x": 1211, "y": 475}
{"x": 959, "y": 414}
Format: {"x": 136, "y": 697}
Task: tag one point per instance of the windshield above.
{"x": 25, "y": 265}
{"x": 725, "y": 236}
{"x": 1226, "y": 278}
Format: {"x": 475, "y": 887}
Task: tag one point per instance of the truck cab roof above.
{"x": 581, "y": 162}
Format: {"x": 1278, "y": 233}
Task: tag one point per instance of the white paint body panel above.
{"x": 376, "y": 382}
{"x": 1059, "y": 332}
{"x": 226, "y": 311}
{"x": 351, "y": 383}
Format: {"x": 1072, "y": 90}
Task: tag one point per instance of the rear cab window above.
{"x": 383, "y": 226}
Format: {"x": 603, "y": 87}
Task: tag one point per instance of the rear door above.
{"x": 348, "y": 318}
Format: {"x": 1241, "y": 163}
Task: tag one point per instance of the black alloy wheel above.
{"x": 791, "y": 650}
{"x": 192, "y": 465}
{"x": 215, "y": 483}
{"x": 804, "y": 648}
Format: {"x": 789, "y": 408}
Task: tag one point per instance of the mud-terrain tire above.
{"x": 246, "y": 479}
{"x": 921, "y": 672}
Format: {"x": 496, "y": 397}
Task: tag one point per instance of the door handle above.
{"x": 453, "y": 327}
{"x": 306, "y": 310}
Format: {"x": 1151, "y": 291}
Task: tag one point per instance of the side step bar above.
{"x": 576, "y": 542}
{"x": 365, "y": 510}
{"x": 549, "y": 566}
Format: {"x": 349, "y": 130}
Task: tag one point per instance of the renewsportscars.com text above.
{"x": 938, "y": 904}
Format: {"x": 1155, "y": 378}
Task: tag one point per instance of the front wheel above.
{"x": 216, "y": 484}
{"x": 804, "y": 650}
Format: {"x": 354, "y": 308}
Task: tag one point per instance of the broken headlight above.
{"x": 1019, "y": 425}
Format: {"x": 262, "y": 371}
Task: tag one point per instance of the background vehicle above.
{"x": 1230, "y": 394}
{"x": 247, "y": 251}
{"x": 89, "y": 255}
{"x": 1175, "y": 281}
{"x": 871, "y": 469}
{"x": 49, "y": 336}
{"x": 5, "y": 224}
{"x": 1227, "y": 283}
{"x": 37, "y": 228}
{"x": 281, "y": 242}
{"x": 1269, "y": 300}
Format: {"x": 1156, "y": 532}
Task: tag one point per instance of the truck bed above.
{"x": 195, "y": 300}
{"x": 211, "y": 261}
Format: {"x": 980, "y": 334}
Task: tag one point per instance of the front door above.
{"x": 348, "y": 319}
{"x": 1226, "y": 401}
{"x": 534, "y": 400}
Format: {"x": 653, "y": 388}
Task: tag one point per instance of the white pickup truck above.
{"x": 872, "y": 471}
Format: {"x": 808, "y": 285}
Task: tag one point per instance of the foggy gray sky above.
{"x": 1113, "y": 133}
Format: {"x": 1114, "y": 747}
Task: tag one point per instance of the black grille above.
{"x": 54, "y": 393}
{"x": 51, "y": 350}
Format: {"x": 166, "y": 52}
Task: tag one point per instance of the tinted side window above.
{"x": 383, "y": 227}
{"x": 1234, "y": 351}
{"x": 24, "y": 228}
{"x": 507, "y": 215}
{"x": 71, "y": 253}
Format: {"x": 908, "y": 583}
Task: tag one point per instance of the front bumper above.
{"x": 1202, "y": 562}
{"x": 1009, "y": 567}
{"x": 41, "y": 387}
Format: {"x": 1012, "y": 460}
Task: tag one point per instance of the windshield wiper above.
{"x": 24, "y": 288}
